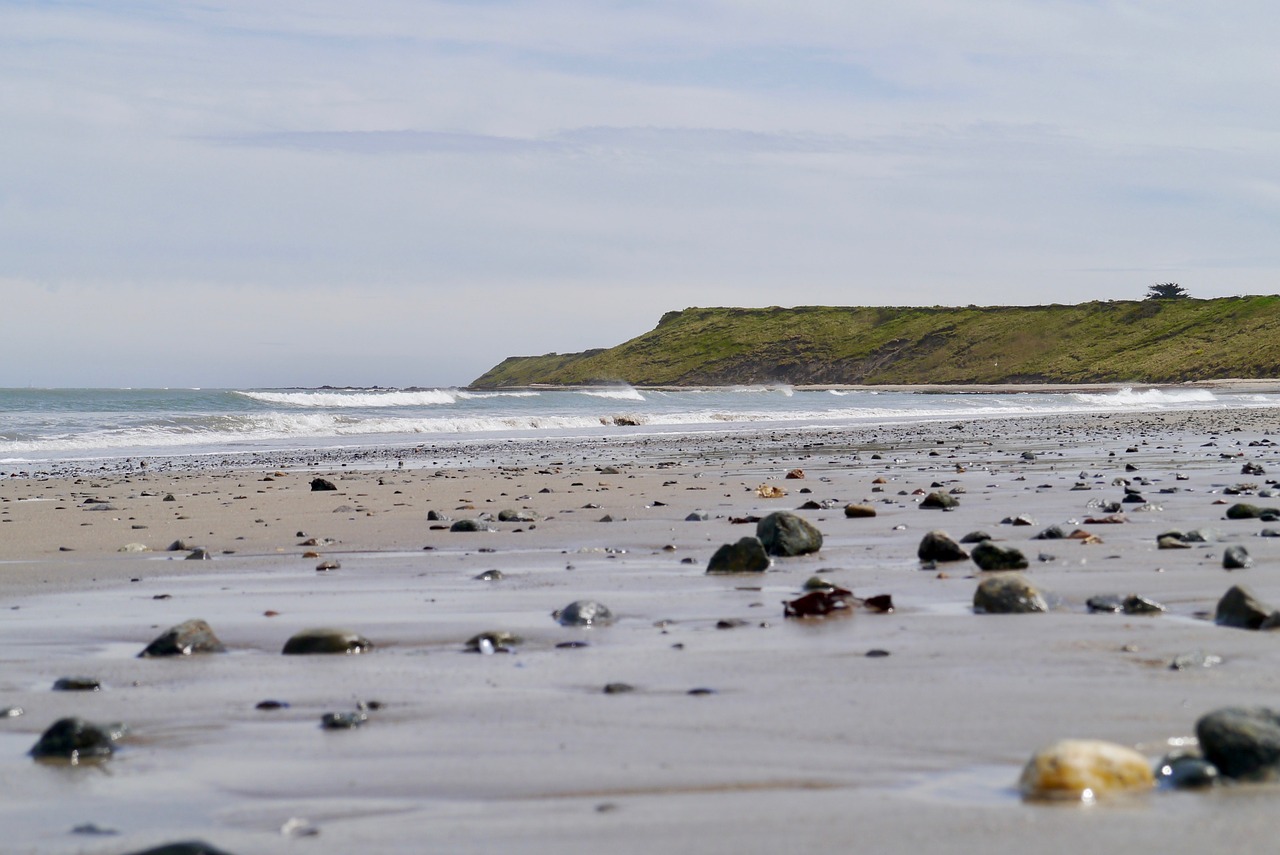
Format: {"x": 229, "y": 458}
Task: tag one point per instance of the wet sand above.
{"x": 802, "y": 741}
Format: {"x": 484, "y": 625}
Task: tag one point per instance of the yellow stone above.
{"x": 1085, "y": 770}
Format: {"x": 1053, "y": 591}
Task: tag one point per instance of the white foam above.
{"x": 618, "y": 393}
{"x": 363, "y": 398}
{"x": 1128, "y": 397}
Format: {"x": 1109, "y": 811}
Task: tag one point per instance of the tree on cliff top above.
{"x": 1167, "y": 291}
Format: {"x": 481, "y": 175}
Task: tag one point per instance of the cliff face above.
{"x": 1149, "y": 341}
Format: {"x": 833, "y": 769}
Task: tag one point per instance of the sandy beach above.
{"x": 743, "y": 731}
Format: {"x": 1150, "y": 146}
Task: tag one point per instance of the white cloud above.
{"x": 558, "y": 174}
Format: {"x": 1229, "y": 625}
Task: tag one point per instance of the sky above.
{"x": 405, "y": 192}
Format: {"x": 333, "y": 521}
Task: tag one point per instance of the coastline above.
{"x": 802, "y": 741}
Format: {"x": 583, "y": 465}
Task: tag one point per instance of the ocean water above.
{"x": 40, "y": 425}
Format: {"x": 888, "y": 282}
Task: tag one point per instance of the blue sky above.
{"x": 396, "y": 193}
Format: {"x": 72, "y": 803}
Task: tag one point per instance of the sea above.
{"x": 39, "y": 426}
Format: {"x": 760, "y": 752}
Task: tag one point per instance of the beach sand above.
{"x": 801, "y": 740}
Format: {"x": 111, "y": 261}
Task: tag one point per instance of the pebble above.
{"x": 786, "y": 534}
{"x": 1184, "y": 771}
{"x": 938, "y": 546}
{"x": 326, "y": 640}
{"x": 1008, "y": 593}
{"x": 498, "y": 641}
{"x": 1242, "y": 742}
{"x": 583, "y": 613}
{"x": 343, "y": 720}
{"x": 74, "y": 739}
{"x": 856, "y": 511}
{"x": 1236, "y": 558}
{"x": 187, "y": 638}
{"x": 1084, "y": 770}
{"x": 988, "y": 556}
{"x": 746, "y": 556}
{"x": 939, "y": 501}
{"x": 77, "y": 684}
{"x": 1241, "y": 609}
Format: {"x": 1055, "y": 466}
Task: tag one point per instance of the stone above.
{"x": 77, "y": 684}
{"x": 1245, "y": 511}
{"x": 783, "y": 533}
{"x": 511, "y": 515}
{"x": 745, "y": 556}
{"x": 468, "y": 525}
{"x": 343, "y": 720}
{"x": 326, "y": 640}
{"x": 490, "y": 576}
{"x": 185, "y": 639}
{"x": 1194, "y": 659}
{"x": 1172, "y": 540}
{"x": 1240, "y": 608}
{"x": 1236, "y": 558}
{"x": 939, "y": 501}
{"x": 975, "y": 537}
{"x": 1242, "y": 742}
{"x": 1008, "y": 593}
{"x": 322, "y": 484}
{"x": 989, "y": 556}
{"x": 1084, "y": 770}
{"x": 584, "y": 613}
{"x": 938, "y": 546}
{"x": 134, "y": 547}
{"x": 497, "y": 641}
{"x": 198, "y": 554}
{"x": 184, "y": 847}
{"x": 1053, "y": 532}
{"x": 1180, "y": 770}
{"x": 74, "y": 739}
{"x": 698, "y": 516}
{"x": 1105, "y": 603}
{"x": 1135, "y": 604}
{"x": 856, "y": 511}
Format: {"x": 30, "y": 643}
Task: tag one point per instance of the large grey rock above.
{"x": 1008, "y": 593}
{"x": 939, "y": 501}
{"x": 784, "y": 533}
{"x": 183, "y": 847}
{"x": 938, "y": 546}
{"x": 1242, "y": 742}
{"x": 989, "y": 556}
{"x": 745, "y": 556}
{"x": 188, "y": 637}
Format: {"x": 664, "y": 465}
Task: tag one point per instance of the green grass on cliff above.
{"x": 1148, "y": 341}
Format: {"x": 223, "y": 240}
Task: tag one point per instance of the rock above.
{"x": 511, "y": 515}
{"x": 784, "y": 533}
{"x": 1242, "y": 742}
{"x": 498, "y": 641}
{"x": 1245, "y": 511}
{"x": 769, "y": 491}
{"x": 1194, "y": 659}
{"x": 745, "y": 556}
{"x": 1019, "y": 520}
{"x": 1172, "y": 540}
{"x": 1135, "y": 604}
{"x": 938, "y": 546}
{"x": 975, "y": 537}
{"x": 618, "y": 688}
{"x": 326, "y": 640}
{"x": 198, "y": 554}
{"x": 490, "y": 576}
{"x": 468, "y": 525}
{"x": 179, "y": 546}
{"x": 989, "y": 556}
{"x": 1008, "y": 593}
{"x": 818, "y": 603}
{"x": 134, "y": 547}
{"x": 185, "y": 847}
{"x": 1084, "y": 770}
{"x": 1240, "y": 608}
{"x": 1252, "y": 469}
{"x": 939, "y": 501}
{"x": 1105, "y": 603}
{"x": 77, "y": 684}
{"x": 188, "y": 637}
{"x": 1236, "y": 558}
{"x": 343, "y": 720}
{"x": 74, "y": 739}
{"x": 698, "y": 516}
{"x": 436, "y": 516}
{"x": 321, "y": 484}
{"x": 818, "y": 583}
{"x": 1053, "y": 532}
{"x": 795, "y": 475}
{"x": 1180, "y": 770}
{"x": 584, "y": 613}
{"x": 856, "y": 511}
{"x": 1200, "y": 535}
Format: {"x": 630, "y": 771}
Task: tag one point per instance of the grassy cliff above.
{"x": 1148, "y": 341}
